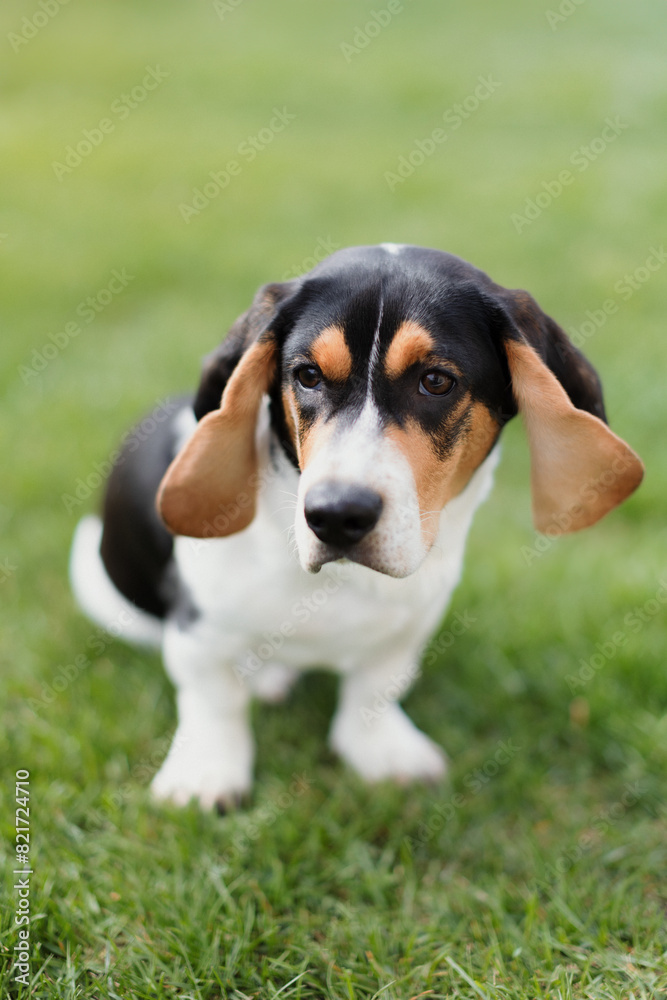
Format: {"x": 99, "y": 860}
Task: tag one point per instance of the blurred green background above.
{"x": 343, "y": 889}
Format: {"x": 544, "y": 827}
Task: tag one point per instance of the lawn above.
{"x": 162, "y": 160}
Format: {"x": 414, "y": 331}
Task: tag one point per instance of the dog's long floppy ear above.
{"x": 580, "y": 469}
{"x": 220, "y": 363}
{"x": 210, "y": 488}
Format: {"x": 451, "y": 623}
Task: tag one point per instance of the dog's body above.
{"x": 357, "y": 432}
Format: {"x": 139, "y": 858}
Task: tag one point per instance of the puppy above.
{"x": 310, "y": 506}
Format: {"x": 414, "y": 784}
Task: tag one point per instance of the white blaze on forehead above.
{"x": 359, "y": 452}
{"x": 392, "y": 248}
{"x": 375, "y": 353}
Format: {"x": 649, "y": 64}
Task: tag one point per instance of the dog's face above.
{"x": 391, "y": 371}
{"x": 393, "y": 394}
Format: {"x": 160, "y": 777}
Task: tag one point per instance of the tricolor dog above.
{"x": 310, "y": 506}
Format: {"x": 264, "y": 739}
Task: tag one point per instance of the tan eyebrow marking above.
{"x": 331, "y": 353}
{"x": 411, "y": 343}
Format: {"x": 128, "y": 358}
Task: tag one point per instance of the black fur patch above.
{"x": 136, "y": 547}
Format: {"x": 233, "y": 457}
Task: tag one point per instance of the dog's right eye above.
{"x": 309, "y": 376}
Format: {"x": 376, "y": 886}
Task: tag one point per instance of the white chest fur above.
{"x": 262, "y": 607}
{"x": 261, "y": 619}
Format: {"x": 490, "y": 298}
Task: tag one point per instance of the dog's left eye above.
{"x": 309, "y": 376}
{"x": 436, "y": 383}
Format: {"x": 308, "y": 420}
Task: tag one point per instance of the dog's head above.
{"x": 391, "y": 371}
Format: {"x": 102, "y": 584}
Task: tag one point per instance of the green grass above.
{"x": 542, "y": 877}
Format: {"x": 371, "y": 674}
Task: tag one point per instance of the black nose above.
{"x": 341, "y": 514}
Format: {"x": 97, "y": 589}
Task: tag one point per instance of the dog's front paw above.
{"x": 387, "y": 746}
{"x": 215, "y": 769}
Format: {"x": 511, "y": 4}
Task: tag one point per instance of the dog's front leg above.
{"x": 372, "y": 733}
{"x": 212, "y": 753}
